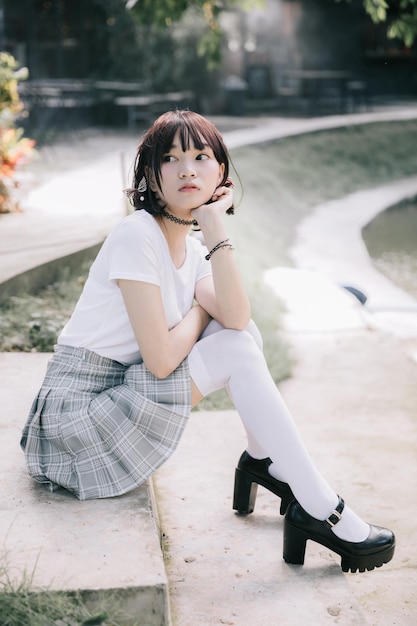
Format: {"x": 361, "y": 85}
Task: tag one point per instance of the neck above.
{"x": 175, "y": 235}
{"x": 178, "y": 220}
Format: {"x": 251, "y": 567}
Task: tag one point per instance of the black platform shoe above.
{"x": 249, "y": 474}
{"x": 299, "y": 526}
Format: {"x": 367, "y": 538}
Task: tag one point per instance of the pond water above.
{"x": 391, "y": 240}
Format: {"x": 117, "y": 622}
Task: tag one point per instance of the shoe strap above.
{"x": 336, "y": 515}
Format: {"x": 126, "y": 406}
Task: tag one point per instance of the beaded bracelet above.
{"x": 222, "y": 244}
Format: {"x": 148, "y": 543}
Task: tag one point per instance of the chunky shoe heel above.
{"x": 295, "y": 541}
{"x": 249, "y": 474}
{"x": 299, "y": 526}
{"x": 245, "y": 492}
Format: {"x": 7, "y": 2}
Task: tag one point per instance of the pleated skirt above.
{"x": 99, "y": 428}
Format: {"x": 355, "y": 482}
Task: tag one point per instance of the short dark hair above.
{"x": 193, "y": 129}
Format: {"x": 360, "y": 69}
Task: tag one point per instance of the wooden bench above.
{"x": 146, "y": 107}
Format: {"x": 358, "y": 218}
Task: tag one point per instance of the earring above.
{"x": 142, "y": 187}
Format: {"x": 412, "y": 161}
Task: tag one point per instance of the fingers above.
{"x": 228, "y": 185}
{"x": 222, "y": 191}
{"x": 220, "y": 202}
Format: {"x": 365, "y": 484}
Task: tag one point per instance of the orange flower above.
{"x": 13, "y": 149}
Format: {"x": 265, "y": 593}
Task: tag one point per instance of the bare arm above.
{"x": 224, "y": 296}
{"x": 162, "y": 349}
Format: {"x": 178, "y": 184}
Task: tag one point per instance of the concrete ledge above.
{"x": 36, "y": 278}
{"x": 60, "y": 543}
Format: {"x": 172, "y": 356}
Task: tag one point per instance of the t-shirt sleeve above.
{"x": 133, "y": 253}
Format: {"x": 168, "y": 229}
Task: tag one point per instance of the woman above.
{"x": 160, "y": 324}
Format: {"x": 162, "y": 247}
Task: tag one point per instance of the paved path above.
{"x": 353, "y": 395}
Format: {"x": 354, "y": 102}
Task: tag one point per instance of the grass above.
{"x": 285, "y": 178}
{"x": 22, "y": 605}
{"x": 31, "y": 323}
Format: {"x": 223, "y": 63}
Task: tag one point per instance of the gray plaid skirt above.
{"x": 99, "y": 428}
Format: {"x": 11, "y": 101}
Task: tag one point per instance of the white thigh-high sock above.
{"x": 234, "y": 359}
{"x": 253, "y": 447}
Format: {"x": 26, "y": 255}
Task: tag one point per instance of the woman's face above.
{"x": 188, "y": 178}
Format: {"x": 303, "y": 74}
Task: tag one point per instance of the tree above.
{"x": 163, "y": 13}
{"x": 402, "y": 15}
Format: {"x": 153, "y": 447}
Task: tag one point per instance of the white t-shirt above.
{"x": 136, "y": 250}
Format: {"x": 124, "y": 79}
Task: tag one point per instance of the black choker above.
{"x": 178, "y": 220}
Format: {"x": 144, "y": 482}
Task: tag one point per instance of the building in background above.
{"x": 77, "y": 39}
{"x": 282, "y": 50}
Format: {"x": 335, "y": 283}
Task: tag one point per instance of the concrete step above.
{"x": 108, "y": 549}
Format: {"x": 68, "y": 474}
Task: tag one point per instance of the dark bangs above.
{"x": 194, "y": 130}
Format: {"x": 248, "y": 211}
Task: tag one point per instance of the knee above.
{"x": 241, "y": 344}
{"x": 252, "y": 329}
{"x": 248, "y": 340}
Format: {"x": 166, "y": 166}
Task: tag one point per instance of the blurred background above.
{"x": 108, "y": 62}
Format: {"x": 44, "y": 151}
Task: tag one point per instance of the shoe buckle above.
{"x": 333, "y": 518}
